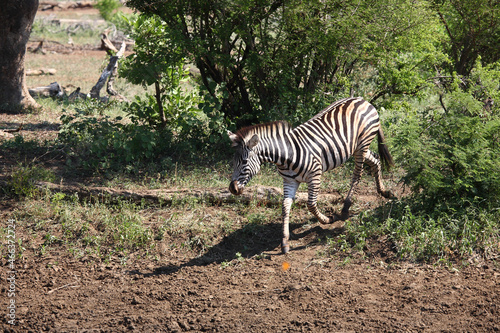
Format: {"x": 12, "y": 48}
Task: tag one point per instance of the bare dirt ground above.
{"x": 257, "y": 292}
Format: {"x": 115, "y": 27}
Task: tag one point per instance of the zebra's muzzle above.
{"x": 234, "y": 188}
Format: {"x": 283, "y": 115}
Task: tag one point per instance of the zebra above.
{"x": 344, "y": 129}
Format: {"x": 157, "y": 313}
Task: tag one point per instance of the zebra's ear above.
{"x": 233, "y": 137}
{"x": 254, "y": 141}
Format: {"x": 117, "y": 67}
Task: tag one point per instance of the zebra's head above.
{"x": 246, "y": 162}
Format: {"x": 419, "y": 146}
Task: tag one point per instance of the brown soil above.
{"x": 256, "y": 293}
{"x": 63, "y": 294}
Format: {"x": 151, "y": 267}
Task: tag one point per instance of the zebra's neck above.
{"x": 274, "y": 142}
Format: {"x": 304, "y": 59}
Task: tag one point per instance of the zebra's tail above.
{"x": 383, "y": 151}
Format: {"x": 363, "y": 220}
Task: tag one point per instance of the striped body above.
{"x": 344, "y": 129}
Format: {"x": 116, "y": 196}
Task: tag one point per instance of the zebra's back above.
{"x": 335, "y": 133}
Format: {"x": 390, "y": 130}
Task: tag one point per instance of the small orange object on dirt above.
{"x": 285, "y": 266}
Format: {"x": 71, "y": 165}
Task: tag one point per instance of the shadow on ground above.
{"x": 254, "y": 240}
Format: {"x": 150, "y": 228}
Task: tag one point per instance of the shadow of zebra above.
{"x": 254, "y": 240}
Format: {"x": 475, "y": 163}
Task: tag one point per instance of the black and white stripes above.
{"x": 344, "y": 129}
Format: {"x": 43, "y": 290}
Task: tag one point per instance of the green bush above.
{"x": 97, "y": 143}
{"x": 448, "y": 146}
{"x": 418, "y": 234}
{"x": 450, "y": 150}
{"x": 23, "y": 178}
{"x": 105, "y": 143}
{"x": 191, "y": 116}
{"x": 107, "y": 8}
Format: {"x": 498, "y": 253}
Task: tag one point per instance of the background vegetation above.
{"x": 431, "y": 67}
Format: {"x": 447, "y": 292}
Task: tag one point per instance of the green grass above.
{"x": 23, "y": 178}
{"x": 418, "y": 236}
{"x": 85, "y": 32}
{"x": 189, "y": 226}
{"x": 101, "y": 231}
{"x": 96, "y": 230}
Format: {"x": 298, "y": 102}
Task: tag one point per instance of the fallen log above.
{"x": 96, "y": 89}
{"x": 53, "y": 90}
{"x": 7, "y": 134}
{"x": 51, "y": 5}
{"x": 164, "y": 196}
{"x": 110, "y": 49}
{"x": 77, "y": 22}
{"x": 266, "y": 195}
{"x": 109, "y": 73}
{"x": 41, "y": 71}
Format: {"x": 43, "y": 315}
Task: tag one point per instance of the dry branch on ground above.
{"x": 270, "y": 196}
{"x": 51, "y": 5}
{"x": 7, "y": 134}
{"x": 52, "y": 90}
{"x": 109, "y": 73}
{"x": 41, "y": 71}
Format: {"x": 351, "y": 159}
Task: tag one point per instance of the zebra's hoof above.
{"x": 332, "y": 219}
{"x": 285, "y": 248}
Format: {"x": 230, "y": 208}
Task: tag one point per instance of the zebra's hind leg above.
{"x": 313, "y": 184}
{"x": 312, "y": 198}
{"x": 359, "y": 158}
{"x": 374, "y": 162}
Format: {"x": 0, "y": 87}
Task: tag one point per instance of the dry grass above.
{"x": 76, "y": 69}
{"x": 79, "y": 63}
{"x": 80, "y": 68}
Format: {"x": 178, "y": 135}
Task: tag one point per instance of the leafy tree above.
{"x": 154, "y": 62}
{"x": 404, "y": 62}
{"x": 178, "y": 105}
{"x": 472, "y": 30}
{"x": 280, "y": 56}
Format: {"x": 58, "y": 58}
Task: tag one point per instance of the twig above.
{"x": 442, "y": 103}
{"x": 15, "y": 130}
{"x": 62, "y": 287}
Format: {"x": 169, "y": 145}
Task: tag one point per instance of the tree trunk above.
{"x": 161, "y": 111}
{"x": 17, "y": 19}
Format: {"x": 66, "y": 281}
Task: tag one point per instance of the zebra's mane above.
{"x": 250, "y": 130}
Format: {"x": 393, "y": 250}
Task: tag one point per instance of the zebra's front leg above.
{"x": 289, "y": 190}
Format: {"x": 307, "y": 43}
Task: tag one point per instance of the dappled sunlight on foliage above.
{"x": 451, "y": 150}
